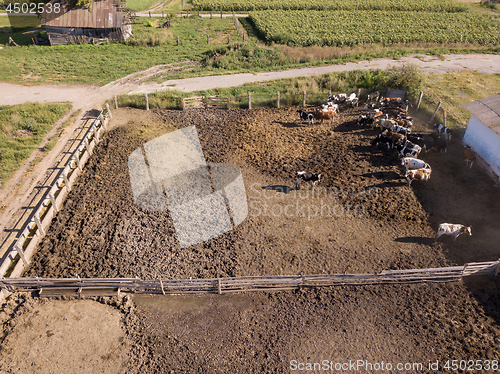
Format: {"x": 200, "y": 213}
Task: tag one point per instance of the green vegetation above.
{"x": 140, "y": 5}
{"x": 176, "y": 6}
{"x": 22, "y": 128}
{"x": 457, "y": 88}
{"x": 406, "y": 77}
{"x": 386, "y": 5}
{"x": 17, "y": 27}
{"x": 227, "y": 53}
{"x": 105, "y": 63}
{"x": 320, "y": 28}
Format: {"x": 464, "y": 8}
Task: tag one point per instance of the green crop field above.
{"x": 304, "y": 28}
{"x": 417, "y": 5}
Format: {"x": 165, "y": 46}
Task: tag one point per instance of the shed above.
{"x": 483, "y": 130}
{"x": 104, "y": 19}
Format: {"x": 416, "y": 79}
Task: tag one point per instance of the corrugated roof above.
{"x": 104, "y": 14}
{"x": 487, "y": 110}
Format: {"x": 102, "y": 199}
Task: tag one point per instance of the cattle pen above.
{"x": 86, "y": 287}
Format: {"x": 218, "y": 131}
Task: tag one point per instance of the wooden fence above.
{"x": 205, "y": 102}
{"x": 82, "y": 287}
{"x": 35, "y": 230}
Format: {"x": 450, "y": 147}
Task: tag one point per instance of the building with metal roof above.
{"x": 103, "y": 20}
{"x": 483, "y": 130}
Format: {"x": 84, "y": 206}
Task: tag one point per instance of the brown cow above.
{"x": 469, "y": 156}
{"x": 396, "y": 137}
{"x": 320, "y": 115}
{"x": 418, "y": 174}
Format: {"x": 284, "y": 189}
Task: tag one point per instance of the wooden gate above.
{"x": 210, "y": 102}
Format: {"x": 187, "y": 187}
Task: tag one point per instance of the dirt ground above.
{"x": 363, "y": 219}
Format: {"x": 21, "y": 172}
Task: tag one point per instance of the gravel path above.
{"x": 82, "y": 96}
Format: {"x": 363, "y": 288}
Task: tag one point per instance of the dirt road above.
{"x": 82, "y": 96}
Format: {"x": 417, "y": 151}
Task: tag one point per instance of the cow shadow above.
{"x": 290, "y": 124}
{"x": 386, "y": 178}
{"x": 279, "y": 188}
{"x": 416, "y": 240}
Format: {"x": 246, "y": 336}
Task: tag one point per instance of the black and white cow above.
{"x": 373, "y": 96}
{"x": 443, "y": 131}
{"x": 340, "y": 98}
{"x": 304, "y": 116}
{"x": 454, "y": 230}
{"x": 408, "y": 149}
{"x": 424, "y": 143}
{"x": 382, "y": 139}
{"x": 305, "y": 176}
{"x": 439, "y": 143}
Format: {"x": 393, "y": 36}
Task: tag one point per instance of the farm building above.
{"x": 103, "y": 20}
{"x": 483, "y": 131}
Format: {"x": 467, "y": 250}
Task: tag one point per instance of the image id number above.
{"x": 33, "y": 8}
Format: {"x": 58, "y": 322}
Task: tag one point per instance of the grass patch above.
{"x": 455, "y": 89}
{"x": 140, "y": 5}
{"x": 22, "y": 128}
{"x": 176, "y": 6}
{"x": 16, "y": 28}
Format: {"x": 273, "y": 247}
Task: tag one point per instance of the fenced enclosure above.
{"x": 81, "y": 287}
{"x": 35, "y": 230}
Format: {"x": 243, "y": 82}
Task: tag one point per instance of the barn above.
{"x": 483, "y": 131}
{"x": 103, "y": 20}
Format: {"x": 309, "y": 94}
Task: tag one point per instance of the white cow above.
{"x": 412, "y": 163}
{"x": 454, "y": 230}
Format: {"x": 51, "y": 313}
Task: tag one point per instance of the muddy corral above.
{"x": 362, "y": 218}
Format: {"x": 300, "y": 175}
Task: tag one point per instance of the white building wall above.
{"x": 485, "y": 142}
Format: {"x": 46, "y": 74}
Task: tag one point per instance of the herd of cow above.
{"x": 390, "y": 117}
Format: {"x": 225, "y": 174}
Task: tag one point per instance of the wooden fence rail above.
{"x": 209, "y": 102}
{"x": 107, "y": 287}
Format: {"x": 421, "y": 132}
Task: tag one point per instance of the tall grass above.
{"x": 22, "y": 128}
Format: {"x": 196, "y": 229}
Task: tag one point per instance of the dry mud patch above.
{"x": 101, "y": 233}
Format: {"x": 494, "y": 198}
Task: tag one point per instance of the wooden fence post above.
{"x": 66, "y": 180}
{"x": 419, "y": 99}
{"x": 147, "y": 101}
{"x": 278, "y": 100}
{"x": 304, "y": 98}
{"x": 444, "y": 118}
{"x": 162, "y": 14}
{"x": 177, "y": 40}
{"x": 150, "y": 14}
{"x": 109, "y": 110}
{"x": 53, "y": 201}
{"x": 227, "y": 38}
{"x": 77, "y": 160}
{"x": 210, "y": 14}
{"x": 183, "y": 3}
{"x": 39, "y": 224}
{"x": 437, "y": 108}
{"x": 19, "y": 250}
{"x": 249, "y": 100}
{"x": 208, "y": 39}
{"x": 116, "y": 103}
